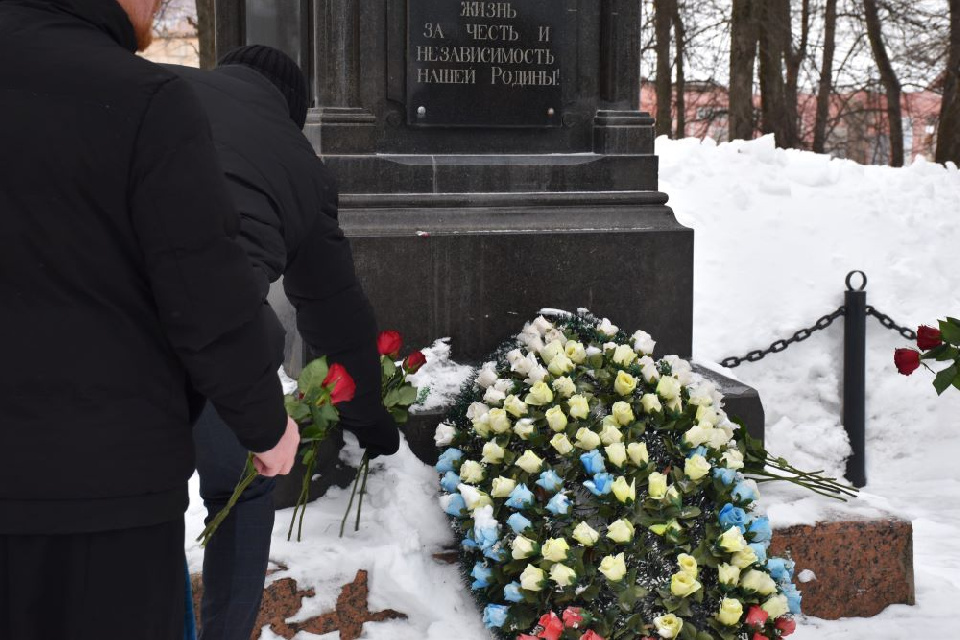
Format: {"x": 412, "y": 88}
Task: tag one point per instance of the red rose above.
{"x": 785, "y": 626}
{"x": 759, "y": 636}
{"x": 907, "y": 360}
{"x": 414, "y": 361}
{"x": 756, "y": 617}
{"x": 928, "y": 338}
{"x": 552, "y": 626}
{"x": 572, "y": 617}
{"x": 341, "y": 385}
{"x": 526, "y": 636}
{"x": 590, "y": 635}
{"x": 389, "y": 343}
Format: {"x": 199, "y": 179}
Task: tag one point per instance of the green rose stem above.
{"x": 304, "y": 498}
{"x": 814, "y": 481}
{"x": 249, "y": 473}
{"x": 361, "y": 471}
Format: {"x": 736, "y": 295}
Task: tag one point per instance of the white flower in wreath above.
{"x": 648, "y": 369}
{"x": 586, "y": 535}
{"x": 551, "y": 351}
{"x": 731, "y": 610}
{"x": 522, "y": 548}
{"x": 697, "y": 435}
{"x": 555, "y": 550}
{"x": 564, "y": 386}
{"x": 560, "y": 365}
{"x": 524, "y": 428}
{"x": 614, "y": 567}
{"x": 643, "y": 343}
{"x": 561, "y": 443}
{"x": 579, "y": 406}
{"x": 531, "y": 462}
{"x": 609, "y": 434}
{"x": 471, "y": 472}
{"x": 531, "y": 338}
{"x": 620, "y": 531}
{"x": 668, "y": 388}
{"x": 707, "y": 415}
{"x": 616, "y": 454}
{"x": 744, "y": 558}
{"x": 638, "y": 453}
{"x": 733, "y": 459}
{"x": 515, "y": 406}
{"x": 493, "y": 396}
{"x": 732, "y": 540}
{"x": 575, "y": 351}
{"x": 563, "y": 575}
{"x": 623, "y": 355}
{"x": 624, "y": 491}
{"x": 687, "y": 563}
{"x": 650, "y": 403}
{"x": 488, "y": 374}
{"x": 758, "y": 582}
{"x": 540, "y": 394}
{"x": 499, "y": 421}
{"x": 657, "y": 485}
{"x": 681, "y": 369}
{"x": 473, "y": 497}
{"x": 668, "y": 626}
{"x": 476, "y": 409}
{"x": 776, "y": 606}
{"x": 444, "y": 434}
{"x": 556, "y": 418}
{"x": 542, "y": 325}
{"x": 481, "y": 425}
{"x": 625, "y": 384}
{"x": 587, "y": 440}
{"x": 525, "y": 365}
{"x": 622, "y": 412}
{"x": 537, "y": 374}
{"x": 532, "y": 578}
{"x": 702, "y": 395}
{"x": 719, "y": 438}
{"x": 502, "y": 487}
{"x": 696, "y": 467}
{"x": 555, "y": 335}
{"x": 683, "y": 584}
{"x": 729, "y": 574}
{"x": 610, "y": 346}
{"x": 492, "y": 453}
{"x": 593, "y": 351}
{"x": 606, "y": 328}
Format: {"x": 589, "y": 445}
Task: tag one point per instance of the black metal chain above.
{"x": 781, "y": 345}
{"x": 888, "y": 322}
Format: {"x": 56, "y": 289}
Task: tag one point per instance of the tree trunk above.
{"x": 744, "y": 33}
{"x": 663, "y": 13}
{"x": 206, "y": 33}
{"x": 794, "y": 58}
{"x": 774, "y": 44}
{"x": 826, "y": 77}
{"x": 890, "y": 82}
{"x": 948, "y": 135}
{"x": 680, "y": 34}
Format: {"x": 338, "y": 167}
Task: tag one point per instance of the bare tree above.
{"x": 744, "y": 30}
{"x": 794, "y": 57}
{"x": 889, "y": 79}
{"x": 680, "y": 34}
{"x": 775, "y": 47}
{"x": 206, "y": 33}
{"x": 826, "y": 76}
{"x": 664, "y": 10}
{"x": 948, "y": 137}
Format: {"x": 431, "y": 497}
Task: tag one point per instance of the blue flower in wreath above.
{"x": 520, "y": 498}
{"x": 518, "y": 523}
{"x": 550, "y": 481}
{"x": 486, "y": 535}
{"x": 593, "y": 462}
{"x": 726, "y": 476}
{"x": 760, "y": 528}
{"x": 496, "y": 553}
{"x": 794, "y": 597}
{"x": 450, "y": 481}
{"x": 601, "y": 484}
{"x": 731, "y": 516}
{"x": 760, "y": 548}
{"x": 482, "y": 575}
{"x": 744, "y": 493}
{"x": 512, "y": 593}
{"x": 468, "y": 543}
{"x": 455, "y": 506}
{"x": 699, "y": 451}
{"x": 780, "y": 569}
{"x": 559, "y": 505}
{"x": 495, "y": 615}
{"x": 447, "y": 458}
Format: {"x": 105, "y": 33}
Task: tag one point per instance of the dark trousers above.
{"x": 235, "y": 561}
{"x": 113, "y": 584}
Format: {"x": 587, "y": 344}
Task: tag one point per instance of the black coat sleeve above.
{"x": 206, "y": 293}
{"x": 336, "y": 319}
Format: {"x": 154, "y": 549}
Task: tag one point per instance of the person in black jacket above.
{"x": 256, "y": 101}
{"x": 120, "y": 291}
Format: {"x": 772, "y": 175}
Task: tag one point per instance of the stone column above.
{"x": 228, "y": 26}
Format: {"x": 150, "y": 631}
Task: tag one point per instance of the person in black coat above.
{"x": 256, "y": 101}
{"x": 121, "y": 290}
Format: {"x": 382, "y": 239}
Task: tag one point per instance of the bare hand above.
{"x": 279, "y": 460}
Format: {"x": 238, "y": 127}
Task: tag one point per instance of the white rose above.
{"x": 668, "y": 388}
{"x": 610, "y": 435}
{"x": 481, "y": 424}
{"x": 744, "y": 558}
{"x": 732, "y": 540}
{"x": 540, "y": 394}
{"x": 564, "y": 386}
{"x": 668, "y": 626}
{"x": 696, "y": 467}
{"x": 638, "y": 453}
{"x": 471, "y": 472}
{"x": 620, "y": 531}
{"x": 556, "y": 419}
{"x": 537, "y": 374}
{"x": 623, "y": 355}
{"x": 593, "y": 351}
{"x": 718, "y": 438}
{"x": 683, "y": 584}
{"x": 499, "y": 421}
{"x": 708, "y": 414}
{"x": 563, "y": 575}
{"x": 502, "y": 487}
{"x": 555, "y": 335}
{"x": 657, "y": 485}
{"x": 477, "y": 409}
{"x": 616, "y": 454}
{"x": 503, "y": 385}
{"x": 622, "y": 412}
{"x": 493, "y": 396}
{"x": 542, "y": 325}
{"x": 697, "y": 435}
{"x": 702, "y": 395}
{"x": 624, "y": 491}
{"x": 758, "y": 582}
{"x": 682, "y": 370}
{"x": 492, "y": 453}
{"x": 607, "y": 329}
{"x": 515, "y": 406}
{"x": 444, "y": 434}
{"x": 551, "y": 351}
{"x": 643, "y": 343}
{"x": 587, "y": 439}
{"x": 651, "y": 403}
{"x": 532, "y": 578}
{"x": 524, "y": 428}
{"x": 776, "y": 606}
{"x": 473, "y": 497}
{"x": 522, "y": 548}
{"x": 579, "y": 407}
{"x": 560, "y": 365}
{"x": 729, "y": 574}
{"x": 731, "y": 610}
{"x": 561, "y": 443}
{"x": 625, "y": 384}
{"x": 524, "y": 365}
{"x": 531, "y": 338}
{"x": 555, "y": 550}
{"x": 586, "y": 535}
{"x": 613, "y": 567}
{"x": 733, "y": 459}
{"x": 530, "y": 462}
{"x": 575, "y": 351}
{"x": 487, "y": 375}
{"x": 687, "y": 563}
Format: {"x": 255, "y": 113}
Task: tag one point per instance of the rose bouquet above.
{"x": 313, "y": 406}
{"x": 599, "y": 493}
{"x": 937, "y": 345}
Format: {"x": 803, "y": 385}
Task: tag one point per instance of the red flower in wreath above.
{"x": 552, "y": 626}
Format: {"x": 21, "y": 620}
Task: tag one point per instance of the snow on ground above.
{"x": 776, "y": 233}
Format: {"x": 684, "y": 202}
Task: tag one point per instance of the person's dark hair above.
{"x": 280, "y": 69}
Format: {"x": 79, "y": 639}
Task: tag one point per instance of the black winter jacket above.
{"x": 119, "y": 284}
{"x": 287, "y": 200}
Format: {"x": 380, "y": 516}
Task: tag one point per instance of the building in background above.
{"x": 175, "y": 34}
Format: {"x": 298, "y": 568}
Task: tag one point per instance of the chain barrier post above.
{"x": 854, "y": 372}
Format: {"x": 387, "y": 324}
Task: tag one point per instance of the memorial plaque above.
{"x": 487, "y": 64}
